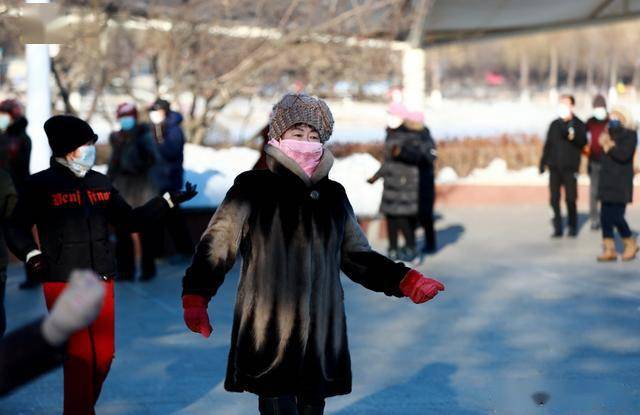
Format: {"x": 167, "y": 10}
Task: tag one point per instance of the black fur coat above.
{"x": 294, "y": 234}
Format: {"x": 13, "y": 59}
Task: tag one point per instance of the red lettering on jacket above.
{"x": 75, "y": 198}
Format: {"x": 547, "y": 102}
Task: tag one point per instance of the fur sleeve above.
{"x": 365, "y": 266}
{"x": 216, "y": 252}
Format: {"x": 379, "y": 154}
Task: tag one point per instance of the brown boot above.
{"x": 630, "y": 249}
{"x": 608, "y": 251}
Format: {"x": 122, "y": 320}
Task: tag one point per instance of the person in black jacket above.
{"x": 8, "y": 198}
{"x": 615, "y": 189}
{"x": 561, "y": 155}
{"x": 38, "y": 347}
{"x": 15, "y": 152}
{"x": 15, "y": 144}
{"x": 133, "y": 155}
{"x": 71, "y": 206}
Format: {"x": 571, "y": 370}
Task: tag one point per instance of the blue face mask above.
{"x": 84, "y": 161}
{"x": 5, "y": 120}
{"x": 127, "y": 123}
{"x": 614, "y": 124}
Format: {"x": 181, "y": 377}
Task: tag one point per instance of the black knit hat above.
{"x": 160, "y": 104}
{"x": 66, "y": 133}
{"x": 599, "y": 102}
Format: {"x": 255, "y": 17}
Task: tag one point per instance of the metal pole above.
{"x": 38, "y": 106}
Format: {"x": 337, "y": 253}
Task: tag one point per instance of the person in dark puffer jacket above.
{"x": 615, "y": 189}
{"x": 401, "y": 191}
{"x": 71, "y": 206}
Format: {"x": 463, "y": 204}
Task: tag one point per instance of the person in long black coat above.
{"x": 8, "y": 199}
{"x": 562, "y": 152}
{"x": 615, "y": 189}
{"x": 295, "y": 230}
{"x": 133, "y": 155}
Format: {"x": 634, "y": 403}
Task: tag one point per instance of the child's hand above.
{"x": 420, "y": 288}
{"x": 195, "y": 314}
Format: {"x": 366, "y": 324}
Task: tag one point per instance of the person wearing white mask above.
{"x": 596, "y": 125}
{"x": 71, "y": 206}
{"x": 562, "y": 153}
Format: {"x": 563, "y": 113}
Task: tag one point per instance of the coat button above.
{"x": 315, "y": 195}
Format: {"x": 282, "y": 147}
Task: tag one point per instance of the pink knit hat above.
{"x": 415, "y": 116}
{"x": 397, "y": 109}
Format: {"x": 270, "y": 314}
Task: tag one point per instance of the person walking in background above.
{"x": 562, "y": 152}
{"x": 133, "y": 155}
{"x": 168, "y": 173}
{"x": 71, "y": 206}
{"x": 595, "y": 127}
{"x": 15, "y": 154}
{"x": 8, "y": 199}
{"x": 15, "y": 144}
{"x": 420, "y": 150}
{"x": 615, "y": 191}
{"x": 400, "y": 195}
{"x": 296, "y": 231}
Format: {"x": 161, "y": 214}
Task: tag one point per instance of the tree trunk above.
{"x": 524, "y": 75}
{"x": 553, "y": 68}
{"x": 572, "y": 70}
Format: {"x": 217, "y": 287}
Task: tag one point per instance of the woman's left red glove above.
{"x": 419, "y": 288}
{"x": 195, "y": 314}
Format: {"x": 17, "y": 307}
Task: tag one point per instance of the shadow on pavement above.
{"x": 428, "y": 392}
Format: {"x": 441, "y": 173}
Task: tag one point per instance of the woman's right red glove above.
{"x": 195, "y": 314}
{"x": 419, "y": 288}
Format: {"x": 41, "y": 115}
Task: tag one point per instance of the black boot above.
{"x": 557, "y": 227}
{"x": 310, "y": 406}
{"x": 282, "y": 405}
{"x": 407, "y": 254}
{"x": 308, "y": 409}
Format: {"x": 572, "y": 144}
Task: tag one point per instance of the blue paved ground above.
{"x": 522, "y": 314}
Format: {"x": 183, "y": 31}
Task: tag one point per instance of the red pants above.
{"x": 88, "y": 356}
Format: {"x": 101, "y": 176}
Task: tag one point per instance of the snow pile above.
{"x": 214, "y": 171}
{"x": 352, "y": 172}
{"x": 497, "y": 173}
{"x": 447, "y": 175}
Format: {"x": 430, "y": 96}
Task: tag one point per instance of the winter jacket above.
{"x": 71, "y": 215}
{"x": 8, "y": 199}
{"x": 595, "y": 127}
{"x": 420, "y": 150}
{"x": 560, "y": 152}
{"x": 134, "y": 153}
{"x": 400, "y": 194}
{"x": 295, "y": 234}
{"x": 25, "y": 355}
{"x": 168, "y": 173}
{"x": 616, "y": 175}
{"x": 15, "y": 151}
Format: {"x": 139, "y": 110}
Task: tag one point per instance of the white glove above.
{"x": 76, "y": 308}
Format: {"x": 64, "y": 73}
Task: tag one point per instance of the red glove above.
{"x": 195, "y": 314}
{"x": 419, "y": 288}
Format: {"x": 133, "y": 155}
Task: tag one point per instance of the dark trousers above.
{"x": 290, "y": 405}
{"x": 404, "y": 224}
{"x": 612, "y": 216}
{"x": 125, "y": 255}
{"x": 557, "y": 180}
{"x": 176, "y": 225}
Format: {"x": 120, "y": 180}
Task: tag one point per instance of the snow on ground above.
{"x": 214, "y": 171}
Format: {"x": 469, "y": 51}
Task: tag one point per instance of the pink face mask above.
{"x": 307, "y": 154}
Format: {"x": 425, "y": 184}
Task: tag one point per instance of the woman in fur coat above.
{"x": 296, "y": 231}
